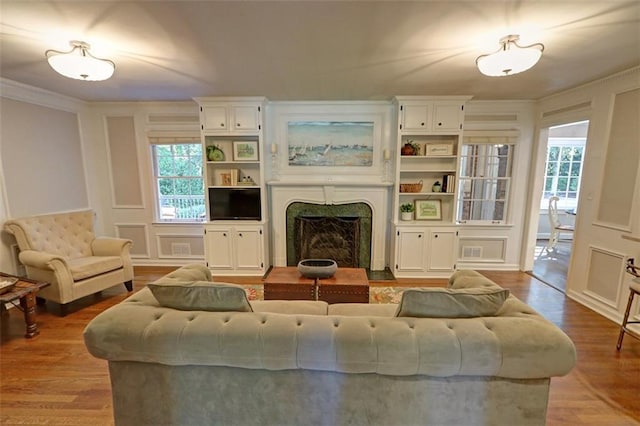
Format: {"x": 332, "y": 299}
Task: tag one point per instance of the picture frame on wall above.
{"x": 245, "y": 151}
{"x": 428, "y": 210}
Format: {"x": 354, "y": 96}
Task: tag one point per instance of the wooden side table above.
{"x": 25, "y": 290}
{"x": 348, "y": 285}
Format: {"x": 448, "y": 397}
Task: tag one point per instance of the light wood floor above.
{"x": 552, "y": 266}
{"x": 52, "y": 380}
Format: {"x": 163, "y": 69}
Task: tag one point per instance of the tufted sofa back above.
{"x": 65, "y": 234}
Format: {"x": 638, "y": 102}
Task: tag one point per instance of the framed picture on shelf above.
{"x": 245, "y": 151}
{"x": 224, "y": 178}
{"x": 428, "y": 210}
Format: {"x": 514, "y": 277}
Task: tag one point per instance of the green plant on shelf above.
{"x": 407, "y": 208}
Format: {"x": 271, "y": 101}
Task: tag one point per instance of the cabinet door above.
{"x": 447, "y": 118}
{"x": 219, "y": 248}
{"x": 214, "y": 118}
{"x": 410, "y": 250}
{"x": 442, "y": 250}
{"x": 415, "y": 117}
{"x": 245, "y": 118}
{"x": 248, "y": 248}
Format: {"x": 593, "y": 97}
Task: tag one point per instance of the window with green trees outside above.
{"x": 179, "y": 186}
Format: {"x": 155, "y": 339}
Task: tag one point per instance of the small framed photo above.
{"x": 245, "y": 151}
{"x": 428, "y": 210}
{"x": 224, "y": 178}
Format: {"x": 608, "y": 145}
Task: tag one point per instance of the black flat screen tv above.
{"x": 234, "y": 204}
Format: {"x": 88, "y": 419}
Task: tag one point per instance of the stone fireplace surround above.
{"x": 375, "y": 195}
{"x": 341, "y": 232}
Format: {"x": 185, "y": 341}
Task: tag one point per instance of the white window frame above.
{"x": 497, "y": 138}
{"x": 564, "y": 203}
{"x": 163, "y": 215}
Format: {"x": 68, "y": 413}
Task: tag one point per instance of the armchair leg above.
{"x": 129, "y": 285}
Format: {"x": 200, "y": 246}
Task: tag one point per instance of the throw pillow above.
{"x": 191, "y": 272}
{"x": 450, "y": 303}
{"x": 470, "y": 279}
{"x": 201, "y": 296}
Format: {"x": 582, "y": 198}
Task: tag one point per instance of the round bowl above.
{"x": 7, "y": 284}
{"x": 317, "y": 268}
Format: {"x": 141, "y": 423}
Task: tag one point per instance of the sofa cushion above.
{"x": 201, "y": 296}
{"x": 86, "y": 267}
{"x": 291, "y": 307}
{"x": 191, "y": 272}
{"x": 451, "y": 303}
{"x": 470, "y": 279}
{"x": 363, "y": 309}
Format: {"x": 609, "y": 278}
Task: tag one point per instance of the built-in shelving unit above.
{"x": 232, "y": 131}
{"x": 427, "y": 158}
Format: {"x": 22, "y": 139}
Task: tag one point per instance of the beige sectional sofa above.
{"x": 309, "y": 363}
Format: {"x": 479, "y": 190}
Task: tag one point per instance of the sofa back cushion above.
{"x": 467, "y": 278}
{"x": 450, "y": 303}
{"x": 65, "y": 234}
{"x": 201, "y": 296}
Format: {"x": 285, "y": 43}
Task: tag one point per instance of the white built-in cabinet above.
{"x": 235, "y": 249}
{"x": 236, "y": 241}
{"x": 426, "y": 245}
{"x": 231, "y": 118}
{"x": 421, "y": 251}
{"x": 432, "y": 117}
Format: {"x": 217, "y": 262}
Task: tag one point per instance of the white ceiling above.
{"x": 316, "y": 50}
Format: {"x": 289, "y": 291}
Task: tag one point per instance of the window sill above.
{"x": 485, "y": 225}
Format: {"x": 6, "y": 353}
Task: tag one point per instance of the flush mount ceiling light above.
{"x": 78, "y": 63}
{"x": 510, "y": 58}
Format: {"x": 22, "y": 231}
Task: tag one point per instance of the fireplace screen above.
{"x": 336, "y": 238}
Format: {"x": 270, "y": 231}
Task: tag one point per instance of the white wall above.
{"x": 136, "y": 220}
{"x": 42, "y": 155}
{"x": 596, "y": 274}
{"x": 42, "y": 159}
{"x": 501, "y": 242}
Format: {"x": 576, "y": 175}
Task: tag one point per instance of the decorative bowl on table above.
{"x": 7, "y": 284}
{"x": 317, "y": 268}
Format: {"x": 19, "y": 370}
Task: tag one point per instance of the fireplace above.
{"x": 336, "y": 238}
{"x": 367, "y": 201}
{"x": 339, "y": 232}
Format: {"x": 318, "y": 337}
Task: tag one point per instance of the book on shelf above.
{"x": 448, "y": 183}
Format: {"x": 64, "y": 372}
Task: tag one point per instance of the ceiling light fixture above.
{"x": 510, "y": 58}
{"x": 78, "y": 63}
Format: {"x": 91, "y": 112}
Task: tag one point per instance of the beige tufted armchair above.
{"x": 62, "y": 249}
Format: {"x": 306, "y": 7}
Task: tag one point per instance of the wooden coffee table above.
{"x": 348, "y": 285}
{"x": 25, "y": 290}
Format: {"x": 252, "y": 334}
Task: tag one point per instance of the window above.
{"x": 485, "y": 177}
{"x": 179, "y": 188}
{"x": 562, "y": 171}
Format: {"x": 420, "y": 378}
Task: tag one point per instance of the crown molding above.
{"x": 34, "y": 95}
{"x": 628, "y": 73}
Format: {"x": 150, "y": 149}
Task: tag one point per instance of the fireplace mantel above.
{"x": 375, "y": 194}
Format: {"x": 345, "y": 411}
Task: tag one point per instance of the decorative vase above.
{"x": 436, "y": 187}
{"x": 317, "y": 268}
{"x": 407, "y": 149}
{"x": 214, "y": 153}
{"x": 406, "y": 215}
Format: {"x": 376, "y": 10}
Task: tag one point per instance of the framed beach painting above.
{"x": 428, "y": 210}
{"x": 330, "y": 143}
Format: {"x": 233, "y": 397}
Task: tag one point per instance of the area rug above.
{"x": 376, "y": 294}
